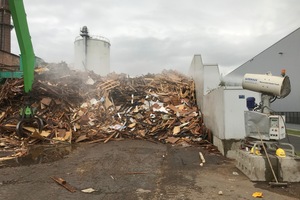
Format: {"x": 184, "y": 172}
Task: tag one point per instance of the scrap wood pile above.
{"x": 78, "y": 107}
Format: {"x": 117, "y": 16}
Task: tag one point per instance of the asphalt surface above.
{"x": 130, "y": 170}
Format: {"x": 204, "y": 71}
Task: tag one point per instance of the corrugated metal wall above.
{"x": 283, "y": 54}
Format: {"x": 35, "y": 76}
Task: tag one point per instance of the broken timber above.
{"x": 155, "y": 107}
{"x": 63, "y": 183}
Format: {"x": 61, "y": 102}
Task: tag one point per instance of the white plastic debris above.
{"x": 88, "y": 190}
{"x": 117, "y": 127}
{"x": 235, "y": 173}
{"x": 132, "y": 97}
{"x": 202, "y": 159}
{"x": 93, "y": 101}
{"x": 102, "y": 99}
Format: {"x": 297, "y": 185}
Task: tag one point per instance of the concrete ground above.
{"x": 130, "y": 170}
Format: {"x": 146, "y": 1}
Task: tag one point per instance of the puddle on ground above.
{"x": 38, "y": 154}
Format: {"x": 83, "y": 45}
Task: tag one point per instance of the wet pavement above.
{"x": 38, "y": 154}
{"x": 132, "y": 170}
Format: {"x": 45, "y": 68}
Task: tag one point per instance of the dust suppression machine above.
{"x": 264, "y": 129}
{"x": 259, "y": 117}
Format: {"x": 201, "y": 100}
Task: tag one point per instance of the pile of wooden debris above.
{"x": 77, "y": 107}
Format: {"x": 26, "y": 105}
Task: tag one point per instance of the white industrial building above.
{"x": 284, "y": 54}
{"x": 92, "y": 53}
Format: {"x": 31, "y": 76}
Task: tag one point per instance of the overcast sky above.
{"x": 151, "y": 35}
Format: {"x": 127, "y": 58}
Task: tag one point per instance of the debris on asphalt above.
{"x": 202, "y": 159}
{"x": 88, "y": 190}
{"x": 141, "y": 190}
{"x": 257, "y": 195}
{"x": 235, "y": 173}
{"x": 63, "y": 183}
{"x": 84, "y": 107}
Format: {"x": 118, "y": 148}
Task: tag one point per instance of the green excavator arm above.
{"x": 27, "y": 57}
{"x": 27, "y": 62}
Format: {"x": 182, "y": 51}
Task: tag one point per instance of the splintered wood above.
{"x": 64, "y": 183}
{"x": 157, "y": 107}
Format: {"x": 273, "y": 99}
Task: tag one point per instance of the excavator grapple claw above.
{"x": 28, "y": 119}
{"x": 35, "y": 122}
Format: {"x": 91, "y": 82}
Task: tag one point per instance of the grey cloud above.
{"x": 148, "y": 36}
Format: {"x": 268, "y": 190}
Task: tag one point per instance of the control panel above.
{"x": 277, "y": 128}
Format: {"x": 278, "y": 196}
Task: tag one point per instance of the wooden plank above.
{"x": 172, "y": 140}
{"x": 110, "y": 137}
{"x": 176, "y": 130}
{"x": 64, "y": 183}
{"x": 108, "y": 85}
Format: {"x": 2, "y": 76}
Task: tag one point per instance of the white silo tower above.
{"x": 92, "y": 53}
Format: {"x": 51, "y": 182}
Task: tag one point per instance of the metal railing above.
{"x": 291, "y": 117}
